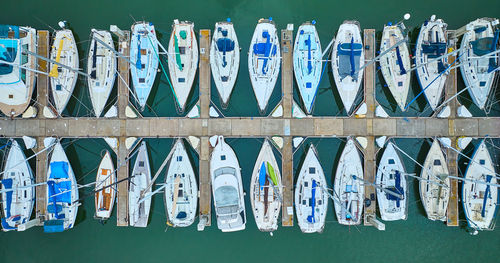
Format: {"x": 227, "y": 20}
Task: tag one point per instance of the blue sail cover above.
{"x": 59, "y": 170}
{"x": 225, "y": 45}
{"x": 264, "y": 50}
{"x": 312, "y": 203}
{"x": 7, "y": 184}
{"x": 402, "y": 69}
{"x": 138, "y": 63}
{"x": 349, "y": 56}
{"x": 486, "y": 194}
{"x": 262, "y": 175}
{"x": 398, "y": 188}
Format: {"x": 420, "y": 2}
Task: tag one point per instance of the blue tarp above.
{"x": 349, "y": 55}
{"x": 486, "y": 194}
{"x": 312, "y": 203}
{"x": 265, "y": 50}
{"x": 53, "y": 226}
{"x": 225, "y": 45}
{"x": 59, "y": 170}
{"x": 7, "y": 184}
{"x": 59, "y": 192}
{"x": 398, "y": 188}
{"x": 402, "y": 69}
{"x": 6, "y": 225}
{"x": 262, "y": 175}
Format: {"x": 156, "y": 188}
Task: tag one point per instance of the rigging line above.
{"x": 43, "y": 150}
{"x": 496, "y": 175}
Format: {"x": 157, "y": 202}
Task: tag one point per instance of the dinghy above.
{"x": 264, "y": 61}
{"x": 62, "y": 193}
{"x": 431, "y": 74}
{"x": 63, "y": 80}
{"x": 17, "y": 204}
{"x": 141, "y": 177}
{"x": 145, "y": 59}
{"x": 391, "y": 176}
{"x": 311, "y": 198}
{"x": 307, "y": 58}
{"x": 105, "y": 188}
{"x": 17, "y": 78}
{"x": 396, "y": 63}
{"x": 347, "y": 59}
{"x": 227, "y": 188}
{"x": 435, "y": 184}
{"x": 224, "y": 59}
{"x": 184, "y": 63}
{"x": 347, "y": 188}
{"x": 181, "y": 191}
{"x": 480, "y": 200}
{"x": 101, "y": 66}
{"x": 266, "y": 189}
{"x": 478, "y": 73}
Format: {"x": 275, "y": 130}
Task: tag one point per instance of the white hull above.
{"x": 264, "y": 61}
{"x": 224, "y": 59}
{"x": 478, "y": 74}
{"x": 143, "y": 53}
{"x": 17, "y": 205}
{"x": 139, "y": 212}
{"x": 350, "y": 191}
{"x": 395, "y": 64}
{"x": 63, "y": 84}
{"x": 181, "y": 191}
{"x": 391, "y": 176}
{"x": 311, "y": 211}
{"x": 227, "y": 188}
{"x": 307, "y": 64}
{"x": 480, "y": 201}
{"x": 347, "y": 76}
{"x": 266, "y": 198}
{"x": 183, "y": 60}
{"x": 102, "y": 71}
{"x": 106, "y": 178}
{"x": 432, "y": 43}
{"x": 433, "y": 196}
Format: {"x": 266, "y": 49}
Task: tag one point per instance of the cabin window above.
{"x": 141, "y": 164}
{"x": 304, "y": 202}
{"x": 391, "y": 161}
{"x": 58, "y": 87}
{"x": 482, "y": 162}
{"x": 11, "y": 96}
{"x": 400, "y": 84}
{"x": 224, "y": 78}
{"x": 309, "y": 85}
{"x": 180, "y": 185}
{"x": 179, "y": 158}
{"x": 59, "y": 69}
{"x": 24, "y": 57}
{"x": 180, "y": 193}
{"x": 391, "y": 176}
{"x": 319, "y": 202}
{"x": 182, "y": 50}
{"x": 142, "y": 80}
{"x": 143, "y": 66}
{"x": 306, "y": 184}
{"x": 182, "y": 80}
{"x": 312, "y": 170}
{"x": 437, "y": 162}
{"x": 482, "y": 83}
{"x": 223, "y": 157}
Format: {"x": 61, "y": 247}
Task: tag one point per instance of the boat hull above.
{"x": 141, "y": 178}
{"x": 105, "y": 188}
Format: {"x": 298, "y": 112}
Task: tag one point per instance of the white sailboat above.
{"x": 184, "y": 63}
{"x": 17, "y": 204}
{"x": 390, "y": 176}
{"x": 349, "y": 190}
{"x": 311, "y": 198}
{"x": 16, "y": 82}
{"x": 105, "y": 188}
{"x": 266, "y": 189}
{"x": 101, "y": 66}
{"x": 307, "y": 63}
{"x": 395, "y": 63}
{"x": 347, "y": 58}
{"x": 224, "y": 59}
{"x": 264, "y": 61}
{"x": 227, "y": 188}
{"x": 62, "y": 192}
{"x": 145, "y": 58}
{"x": 141, "y": 177}
{"x": 63, "y": 80}
{"x": 433, "y": 194}
{"x": 478, "y": 73}
{"x": 181, "y": 191}
{"x": 480, "y": 200}
{"x": 431, "y": 74}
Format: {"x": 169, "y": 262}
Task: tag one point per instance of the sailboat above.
{"x": 17, "y": 81}
{"x": 17, "y": 176}
{"x": 145, "y": 59}
{"x": 266, "y": 189}
{"x": 347, "y": 58}
{"x": 264, "y": 61}
{"x": 431, "y": 74}
{"x": 224, "y": 59}
{"x": 62, "y": 193}
{"x": 63, "y": 80}
{"x": 181, "y": 191}
{"x": 227, "y": 188}
{"x": 307, "y": 62}
{"x": 390, "y": 176}
{"x": 101, "y": 67}
{"x": 480, "y": 200}
{"x": 435, "y": 184}
{"x": 183, "y": 65}
{"x": 105, "y": 188}
{"x": 347, "y": 188}
{"x": 478, "y": 73}
{"x": 141, "y": 177}
{"x": 396, "y": 63}
{"x": 311, "y": 198}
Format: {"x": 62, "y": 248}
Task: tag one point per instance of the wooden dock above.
{"x": 204, "y": 175}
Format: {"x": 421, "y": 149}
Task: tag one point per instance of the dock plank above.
{"x": 42, "y": 81}
{"x": 122, "y": 173}
{"x": 40, "y": 177}
{"x": 123, "y": 74}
